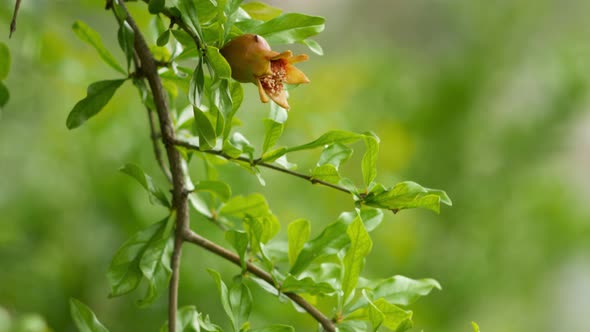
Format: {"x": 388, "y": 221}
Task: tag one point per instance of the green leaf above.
{"x": 273, "y": 132}
{"x": 406, "y": 195}
{"x": 254, "y": 205}
{"x": 156, "y": 6}
{"x": 369, "y": 163}
{"x": 207, "y": 135}
{"x": 331, "y": 137}
{"x": 332, "y": 239}
{"x": 404, "y": 291}
{"x": 163, "y": 38}
{"x": 314, "y": 46}
{"x": 183, "y": 38}
{"x": 261, "y": 230}
{"x": 475, "y": 327}
{"x": 327, "y": 173}
{"x": 156, "y": 194}
{"x": 197, "y": 85}
{"x": 98, "y": 95}
{"x": 126, "y": 36}
{"x": 223, "y": 295}
{"x": 261, "y": 11}
{"x": 218, "y": 62}
{"x": 4, "y": 61}
{"x": 129, "y": 266}
{"x": 84, "y": 318}
{"x": 360, "y": 246}
{"x": 238, "y": 240}
{"x": 298, "y": 233}
{"x": 376, "y": 317}
{"x": 4, "y": 95}
{"x": 218, "y": 188}
{"x": 306, "y": 285}
{"x": 290, "y": 28}
{"x": 188, "y": 319}
{"x": 240, "y": 299}
{"x": 274, "y": 328}
{"x": 86, "y": 34}
{"x": 335, "y": 154}
{"x": 188, "y": 11}
{"x": 395, "y": 318}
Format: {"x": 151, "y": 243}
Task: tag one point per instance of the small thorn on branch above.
{"x": 14, "y": 15}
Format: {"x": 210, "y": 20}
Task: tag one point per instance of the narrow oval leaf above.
{"x": 238, "y": 240}
{"x": 404, "y": 291}
{"x": 306, "y": 285}
{"x": 156, "y": 6}
{"x": 223, "y": 294}
{"x": 88, "y": 35}
{"x": 369, "y": 163}
{"x": 360, "y": 247}
{"x": 156, "y": 194}
{"x": 4, "y": 61}
{"x": 240, "y": 299}
{"x": 331, "y": 137}
{"x": 406, "y": 195}
{"x": 218, "y": 63}
{"x": 335, "y": 154}
{"x": 163, "y": 38}
{"x": 327, "y": 173}
{"x": 314, "y": 46}
{"x": 205, "y": 130}
{"x": 98, "y": 95}
{"x": 273, "y": 132}
{"x": 395, "y": 318}
{"x": 84, "y": 318}
{"x": 125, "y": 37}
{"x": 290, "y": 28}
{"x": 261, "y": 11}
{"x": 218, "y": 188}
{"x": 298, "y": 233}
{"x": 254, "y": 205}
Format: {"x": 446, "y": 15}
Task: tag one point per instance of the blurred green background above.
{"x": 487, "y": 101}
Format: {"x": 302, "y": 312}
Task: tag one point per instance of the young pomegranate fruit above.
{"x": 252, "y": 60}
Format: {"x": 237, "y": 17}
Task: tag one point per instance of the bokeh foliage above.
{"x": 487, "y": 103}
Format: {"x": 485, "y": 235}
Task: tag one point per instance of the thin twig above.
{"x": 179, "y": 193}
{"x": 14, "y": 15}
{"x": 156, "y": 147}
{"x": 202, "y": 242}
{"x": 262, "y": 164}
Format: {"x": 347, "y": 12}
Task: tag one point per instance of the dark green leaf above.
{"x": 197, "y": 85}
{"x": 4, "y": 95}
{"x": 406, "y": 195}
{"x": 163, "y": 38}
{"x": 274, "y": 328}
{"x": 156, "y": 194}
{"x": 404, "y": 291}
{"x": 98, "y": 95}
{"x": 188, "y": 10}
{"x": 84, "y": 318}
{"x": 188, "y": 319}
{"x": 125, "y": 36}
{"x": 290, "y": 28}
{"x": 306, "y": 285}
{"x": 218, "y": 188}
{"x": 86, "y": 34}
{"x": 298, "y": 233}
{"x": 335, "y": 154}
{"x": 155, "y": 267}
{"x": 360, "y": 247}
{"x": 156, "y": 6}
{"x": 238, "y": 240}
{"x": 4, "y": 61}
{"x": 240, "y": 300}
{"x": 369, "y": 163}
{"x": 183, "y": 38}
{"x": 261, "y": 11}
{"x": 127, "y": 269}
{"x": 205, "y": 130}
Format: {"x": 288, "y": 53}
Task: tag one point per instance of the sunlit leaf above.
{"x": 253, "y": 205}
{"x": 218, "y": 62}
{"x": 238, "y": 240}
{"x": 360, "y": 247}
{"x": 84, "y": 318}
{"x": 218, "y": 188}
{"x": 314, "y": 46}
{"x": 475, "y": 327}
{"x": 331, "y": 137}
{"x": 88, "y": 35}
{"x": 369, "y": 163}
{"x": 306, "y": 285}
{"x": 395, "y": 318}
{"x": 327, "y": 173}
{"x": 335, "y": 154}
{"x": 404, "y": 291}
{"x": 261, "y": 11}
{"x": 98, "y": 95}
{"x": 406, "y": 195}
{"x": 298, "y": 233}
{"x": 290, "y": 28}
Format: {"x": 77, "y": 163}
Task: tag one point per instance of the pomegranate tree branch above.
{"x": 202, "y": 242}
{"x": 179, "y": 191}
